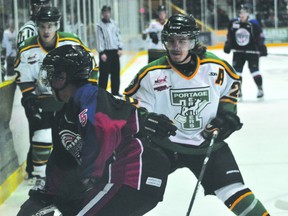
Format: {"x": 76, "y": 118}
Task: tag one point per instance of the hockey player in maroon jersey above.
{"x": 198, "y": 91}
{"x": 98, "y": 166}
{"x": 245, "y": 37}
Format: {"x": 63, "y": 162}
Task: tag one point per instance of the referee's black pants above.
{"x": 112, "y": 67}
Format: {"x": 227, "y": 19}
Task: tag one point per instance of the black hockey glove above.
{"x": 263, "y": 50}
{"x": 154, "y": 37}
{"x": 32, "y": 106}
{"x": 226, "y": 123}
{"x": 227, "y": 47}
{"x": 158, "y": 125}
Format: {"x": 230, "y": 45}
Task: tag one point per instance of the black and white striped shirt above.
{"x": 108, "y": 36}
{"x": 28, "y": 30}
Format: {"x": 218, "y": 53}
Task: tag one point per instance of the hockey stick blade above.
{"x": 281, "y": 204}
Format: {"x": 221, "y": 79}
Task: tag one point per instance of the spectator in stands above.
{"x": 9, "y": 47}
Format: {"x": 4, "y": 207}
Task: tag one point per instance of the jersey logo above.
{"x": 83, "y": 117}
{"x": 242, "y": 36}
{"x": 161, "y": 84}
{"x": 32, "y": 59}
{"x": 192, "y": 102}
{"x": 212, "y": 74}
{"x": 73, "y": 143}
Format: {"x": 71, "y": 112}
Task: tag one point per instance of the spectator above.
{"x": 9, "y": 47}
{"x": 109, "y": 47}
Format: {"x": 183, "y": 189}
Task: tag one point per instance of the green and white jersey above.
{"x": 30, "y": 57}
{"x": 190, "y": 101}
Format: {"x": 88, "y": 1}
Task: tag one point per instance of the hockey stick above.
{"x": 206, "y": 159}
{"x": 257, "y": 52}
{"x": 278, "y": 54}
{"x": 281, "y": 204}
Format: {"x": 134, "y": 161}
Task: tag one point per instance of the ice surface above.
{"x": 260, "y": 147}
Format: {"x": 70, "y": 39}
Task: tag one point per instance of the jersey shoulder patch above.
{"x": 212, "y": 58}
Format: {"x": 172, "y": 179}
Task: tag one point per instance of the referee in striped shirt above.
{"x": 109, "y": 47}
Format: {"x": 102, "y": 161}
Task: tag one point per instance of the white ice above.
{"x": 260, "y": 147}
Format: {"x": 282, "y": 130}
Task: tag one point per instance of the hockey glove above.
{"x": 227, "y": 47}
{"x": 154, "y": 37}
{"x": 158, "y": 125}
{"x": 226, "y": 123}
{"x": 263, "y": 50}
{"x": 32, "y": 106}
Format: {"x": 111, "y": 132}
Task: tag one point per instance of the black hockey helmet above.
{"x": 244, "y": 8}
{"x": 48, "y": 14}
{"x": 74, "y": 60}
{"x": 161, "y": 8}
{"x": 180, "y": 25}
{"x": 37, "y": 4}
{"x": 105, "y": 8}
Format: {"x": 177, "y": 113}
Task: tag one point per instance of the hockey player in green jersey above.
{"x": 197, "y": 90}
{"x": 37, "y": 100}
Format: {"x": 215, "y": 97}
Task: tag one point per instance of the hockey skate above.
{"x": 260, "y": 93}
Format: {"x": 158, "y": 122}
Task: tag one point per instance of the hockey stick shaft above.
{"x": 257, "y": 52}
{"x": 206, "y": 159}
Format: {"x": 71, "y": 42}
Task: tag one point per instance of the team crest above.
{"x": 73, "y": 143}
{"x": 70, "y": 139}
{"x": 192, "y": 103}
{"x": 242, "y": 37}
